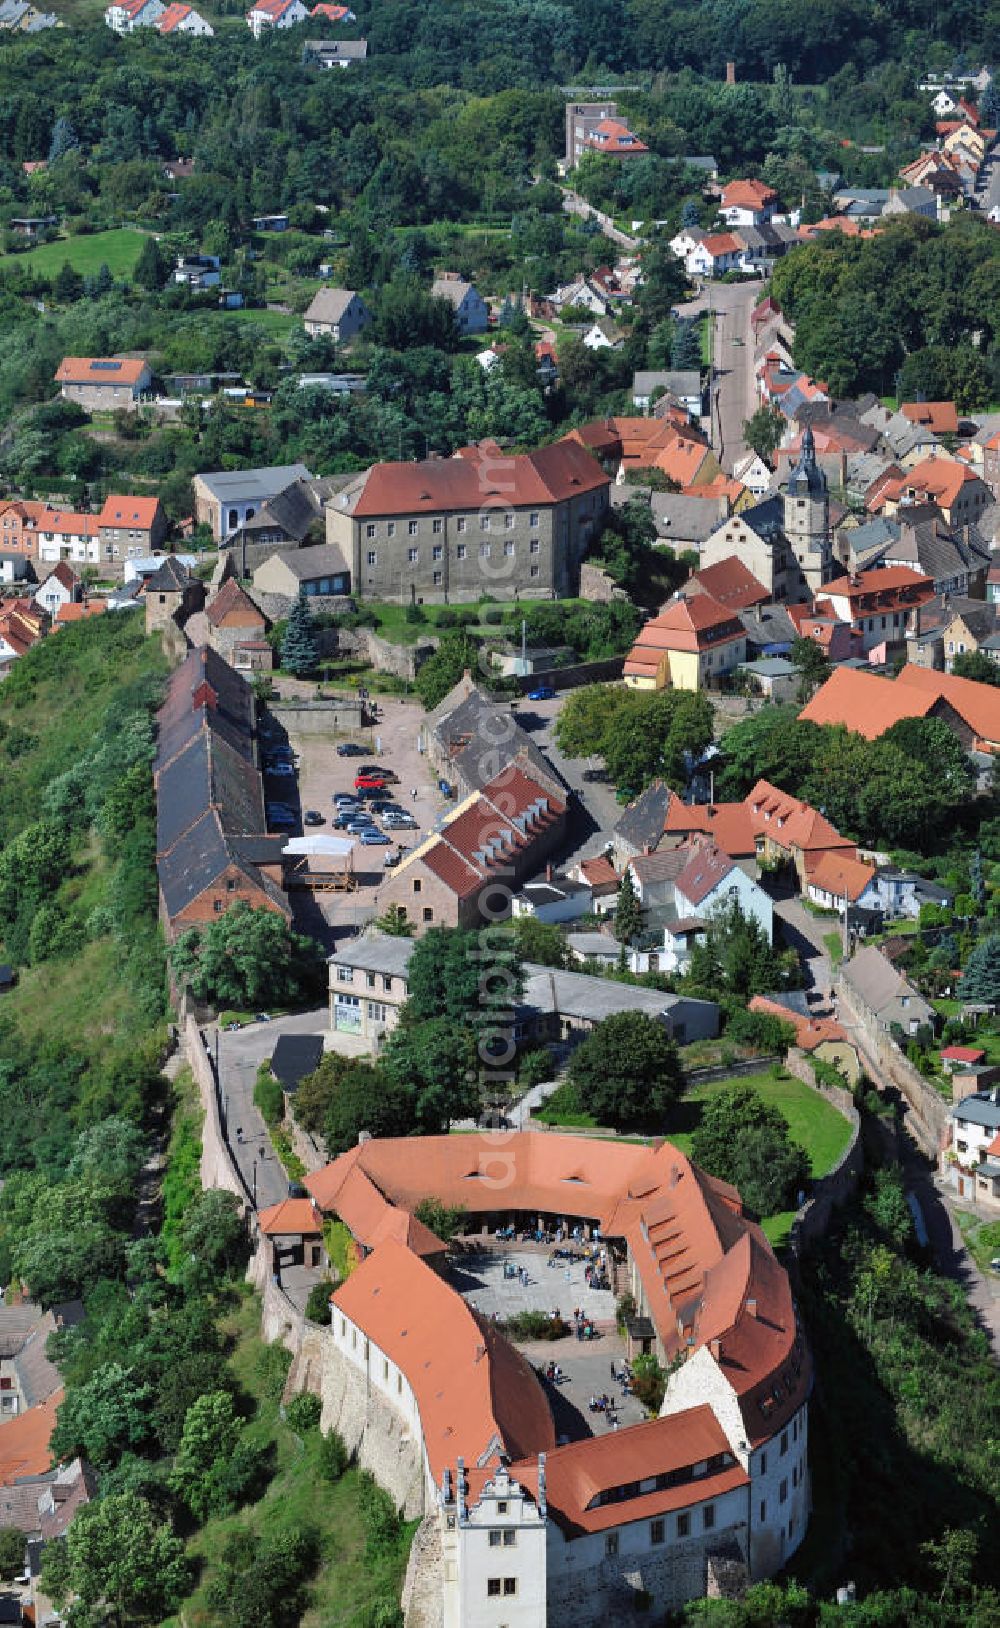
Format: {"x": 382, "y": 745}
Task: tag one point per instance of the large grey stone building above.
{"x": 483, "y": 522}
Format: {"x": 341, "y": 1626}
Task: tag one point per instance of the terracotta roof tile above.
{"x": 728, "y": 824}
{"x": 731, "y": 585}
{"x": 549, "y": 475}
{"x": 102, "y": 370}
{"x": 841, "y": 875}
{"x": 790, "y": 822}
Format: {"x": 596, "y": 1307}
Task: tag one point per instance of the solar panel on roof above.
{"x": 105, "y": 367}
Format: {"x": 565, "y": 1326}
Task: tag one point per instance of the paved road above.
{"x": 954, "y": 1260}
{"x": 734, "y": 395}
{"x": 240, "y": 1055}
{"x": 805, "y": 933}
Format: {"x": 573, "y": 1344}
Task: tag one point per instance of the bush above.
{"x": 649, "y": 1382}
{"x": 303, "y": 1413}
{"x": 333, "y": 1456}
{"x": 536, "y": 1325}
{"x": 268, "y": 1095}
{"x": 273, "y": 1364}
{"x": 380, "y": 1518}
{"x": 318, "y": 1303}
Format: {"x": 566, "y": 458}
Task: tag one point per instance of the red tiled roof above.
{"x": 809, "y": 1032}
{"x": 703, "y": 873}
{"x": 730, "y": 584}
{"x": 864, "y": 702}
{"x": 474, "y": 1392}
{"x": 137, "y": 513}
{"x": 728, "y": 824}
{"x": 612, "y": 136}
{"x": 578, "y": 1472}
{"x": 551, "y": 474}
{"x": 24, "y": 1440}
{"x": 790, "y": 822}
{"x": 747, "y": 195}
{"x": 231, "y": 597}
{"x": 939, "y": 480}
{"x": 691, "y": 625}
{"x": 891, "y": 587}
{"x": 172, "y": 17}
{"x": 841, "y": 875}
{"x": 963, "y": 1054}
{"x": 293, "y": 1217}
{"x": 978, "y": 705}
{"x": 939, "y": 416}
{"x": 722, "y": 243}
{"x": 600, "y": 873}
{"x": 102, "y": 370}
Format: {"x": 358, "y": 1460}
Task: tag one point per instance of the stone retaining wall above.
{"x": 927, "y": 1110}
{"x": 829, "y": 1192}
{"x": 379, "y": 1438}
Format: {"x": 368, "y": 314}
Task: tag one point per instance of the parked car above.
{"x": 374, "y": 839}
{"x": 544, "y": 692}
{"x": 282, "y": 771}
{"x": 369, "y": 782}
{"x": 262, "y": 1017}
{"x": 312, "y": 816}
{"x": 350, "y": 749}
{"x": 282, "y": 817}
{"x": 400, "y": 822}
{"x": 345, "y": 799}
{"x": 357, "y": 828}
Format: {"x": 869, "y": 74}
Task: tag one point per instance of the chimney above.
{"x": 752, "y": 1307}
{"x": 541, "y": 1485}
{"x": 730, "y": 73}
{"x": 548, "y": 873}
{"x": 715, "y": 1346}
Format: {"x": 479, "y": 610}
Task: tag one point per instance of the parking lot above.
{"x": 393, "y": 742}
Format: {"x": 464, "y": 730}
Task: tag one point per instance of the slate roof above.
{"x": 171, "y": 578}
{"x": 329, "y": 304}
{"x": 252, "y": 483}
{"x": 477, "y": 739}
{"x": 308, "y": 564}
{"x": 376, "y": 952}
{"x": 641, "y": 826}
{"x": 295, "y": 1056}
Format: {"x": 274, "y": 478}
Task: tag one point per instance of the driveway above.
{"x": 240, "y": 1054}
{"x": 734, "y": 396}
{"x": 597, "y": 809}
{"x": 804, "y": 933}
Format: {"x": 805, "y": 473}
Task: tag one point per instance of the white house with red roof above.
{"x": 748, "y": 203}
{"x": 715, "y": 255}
{"x": 712, "y": 882}
{"x": 613, "y": 136}
{"x": 691, "y": 640}
{"x": 275, "y": 14}
{"x": 127, "y": 15}
{"x": 180, "y": 19}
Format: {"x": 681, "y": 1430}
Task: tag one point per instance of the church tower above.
{"x": 807, "y": 515}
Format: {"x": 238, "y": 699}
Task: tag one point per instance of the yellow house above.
{"x": 691, "y": 641}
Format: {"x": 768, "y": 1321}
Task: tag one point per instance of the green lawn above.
{"x": 118, "y": 250}
{"x": 277, "y": 323}
{"x": 982, "y": 1238}
{"x": 834, "y": 946}
{"x": 347, "y": 1582}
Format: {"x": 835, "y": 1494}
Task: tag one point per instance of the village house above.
{"x": 130, "y": 527}
{"x": 788, "y": 831}
{"x": 472, "y": 314}
{"x": 126, "y": 15}
{"x": 227, "y": 499}
{"x": 181, "y": 19}
{"x": 684, "y": 387}
{"x": 316, "y": 571}
{"x": 691, "y": 642}
{"x": 712, "y": 882}
{"x": 469, "y": 739}
{"x": 880, "y": 995}
{"x": 335, "y": 53}
{"x": 747, "y": 203}
{"x": 822, "y": 1038}
{"x": 447, "y": 529}
{"x": 715, "y": 255}
{"x": 171, "y": 595}
{"x": 21, "y": 626}
{"x": 338, "y": 313}
{"x": 954, "y": 488}
{"x": 61, "y": 587}
{"x": 368, "y": 984}
{"x": 103, "y": 383}
{"x": 14, "y": 568}
{"x": 237, "y": 629}
{"x": 596, "y": 127}
{"x": 881, "y": 606}
{"x": 495, "y": 840}
{"x": 971, "y": 1162}
{"x": 266, "y": 14}
{"x": 839, "y": 881}
{"x": 198, "y": 272}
